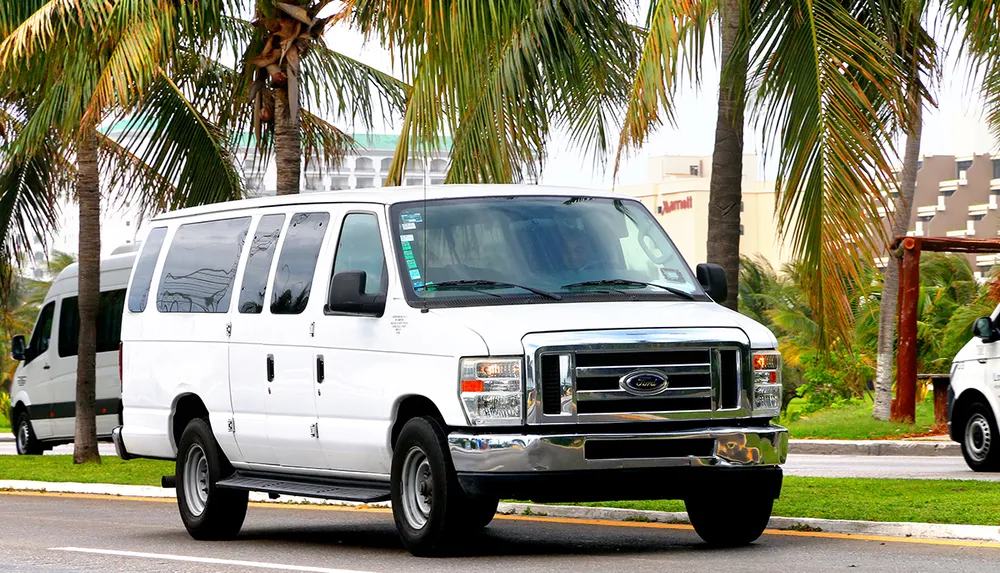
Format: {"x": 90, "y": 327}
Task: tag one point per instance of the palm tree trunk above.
{"x": 88, "y": 189}
{"x": 725, "y": 191}
{"x": 890, "y": 287}
{"x": 287, "y": 148}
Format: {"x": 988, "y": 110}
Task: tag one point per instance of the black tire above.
{"x": 479, "y": 512}
{"x": 208, "y": 512}
{"x": 24, "y": 437}
{"x": 430, "y": 511}
{"x": 979, "y": 429}
{"x": 722, "y": 524}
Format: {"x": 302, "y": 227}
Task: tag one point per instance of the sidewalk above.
{"x": 982, "y": 533}
{"x": 912, "y": 447}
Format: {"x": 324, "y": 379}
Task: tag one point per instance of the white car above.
{"x": 445, "y": 348}
{"x": 43, "y": 394}
{"x": 973, "y": 396}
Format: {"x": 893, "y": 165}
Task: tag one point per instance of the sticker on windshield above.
{"x": 672, "y": 275}
{"x": 415, "y": 274}
{"x": 409, "y": 226}
{"x": 406, "y": 238}
{"x": 411, "y": 217}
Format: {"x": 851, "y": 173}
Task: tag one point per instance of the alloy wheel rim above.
{"x": 978, "y": 437}
{"x": 196, "y": 480}
{"x": 418, "y": 488}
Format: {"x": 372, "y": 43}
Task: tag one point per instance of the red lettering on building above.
{"x": 678, "y": 205}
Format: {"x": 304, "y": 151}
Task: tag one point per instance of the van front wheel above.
{"x": 980, "y": 440}
{"x": 428, "y": 504}
{"x": 26, "y": 442}
{"x": 208, "y": 512}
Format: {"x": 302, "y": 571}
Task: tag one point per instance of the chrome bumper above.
{"x": 530, "y": 453}
{"x": 116, "y": 437}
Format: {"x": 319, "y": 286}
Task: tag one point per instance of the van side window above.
{"x": 200, "y": 267}
{"x": 360, "y": 249}
{"x": 144, "y": 267}
{"x": 297, "y": 262}
{"x": 42, "y": 333}
{"x": 109, "y": 323}
{"x": 265, "y": 241}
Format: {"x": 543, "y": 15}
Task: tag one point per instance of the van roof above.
{"x": 388, "y": 196}
{"x": 112, "y": 263}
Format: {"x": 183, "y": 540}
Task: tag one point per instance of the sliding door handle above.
{"x": 270, "y": 367}
{"x": 320, "y": 369}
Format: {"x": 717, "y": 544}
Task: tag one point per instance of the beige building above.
{"x": 677, "y": 193}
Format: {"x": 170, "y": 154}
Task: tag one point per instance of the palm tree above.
{"x": 500, "y": 75}
{"x": 67, "y": 66}
{"x": 825, "y": 90}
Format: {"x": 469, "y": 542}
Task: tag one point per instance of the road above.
{"x": 70, "y": 534}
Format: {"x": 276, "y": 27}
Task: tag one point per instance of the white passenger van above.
{"x": 43, "y": 394}
{"x": 445, "y": 348}
{"x": 974, "y": 396}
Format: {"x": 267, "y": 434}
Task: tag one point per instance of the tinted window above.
{"x": 200, "y": 268}
{"x": 42, "y": 333}
{"x": 360, "y": 249}
{"x": 297, "y": 262}
{"x": 144, "y": 267}
{"x": 109, "y": 323}
{"x": 265, "y": 241}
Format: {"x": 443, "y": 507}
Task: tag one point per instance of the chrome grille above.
{"x": 585, "y": 382}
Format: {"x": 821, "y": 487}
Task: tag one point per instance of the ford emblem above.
{"x": 643, "y": 382}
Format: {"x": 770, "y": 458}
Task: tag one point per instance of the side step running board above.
{"x": 366, "y": 492}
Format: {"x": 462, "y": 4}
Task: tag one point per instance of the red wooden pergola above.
{"x": 905, "y": 403}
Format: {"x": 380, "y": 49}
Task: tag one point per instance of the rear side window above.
{"x": 360, "y": 249}
{"x": 42, "y": 333}
{"x": 297, "y": 262}
{"x": 265, "y": 242}
{"x": 144, "y": 267}
{"x": 109, "y": 323}
{"x": 200, "y": 267}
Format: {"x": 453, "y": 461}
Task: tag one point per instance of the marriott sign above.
{"x": 678, "y": 205}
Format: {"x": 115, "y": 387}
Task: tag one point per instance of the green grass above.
{"x": 61, "y": 468}
{"x": 854, "y": 422}
{"x": 927, "y": 501}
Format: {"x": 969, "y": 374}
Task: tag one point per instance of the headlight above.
{"x": 766, "y": 383}
{"x": 491, "y": 390}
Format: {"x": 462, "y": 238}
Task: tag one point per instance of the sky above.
{"x": 954, "y": 127}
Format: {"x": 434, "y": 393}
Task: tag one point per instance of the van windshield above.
{"x": 497, "y": 250}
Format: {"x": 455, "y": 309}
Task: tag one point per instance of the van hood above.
{"x": 503, "y": 327}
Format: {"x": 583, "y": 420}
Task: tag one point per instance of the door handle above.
{"x": 320, "y": 369}
{"x": 270, "y": 367}
{"x": 46, "y": 367}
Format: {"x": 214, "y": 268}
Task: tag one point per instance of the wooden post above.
{"x": 941, "y": 383}
{"x": 904, "y": 406}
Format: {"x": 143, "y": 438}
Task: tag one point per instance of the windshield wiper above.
{"x": 629, "y": 282}
{"x": 473, "y": 284}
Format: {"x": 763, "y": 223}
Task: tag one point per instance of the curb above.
{"x": 938, "y": 531}
{"x": 873, "y": 448}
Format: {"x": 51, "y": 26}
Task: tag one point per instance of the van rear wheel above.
{"x": 26, "y": 442}
{"x": 980, "y": 439}
{"x": 208, "y": 512}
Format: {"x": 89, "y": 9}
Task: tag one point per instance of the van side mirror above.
{"x": 983, "y": 328}
{"x": 18, "y": 347}
{"x": 713, "y": 279}
{"x": 347, "y": 295}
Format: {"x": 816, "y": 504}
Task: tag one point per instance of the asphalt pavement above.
{"x": 70, "y": 534}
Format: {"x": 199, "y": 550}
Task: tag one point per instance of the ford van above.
{"x": 43, "y": 392}
{"x": 974, "y": 396}
{"x": 444, "y": 348}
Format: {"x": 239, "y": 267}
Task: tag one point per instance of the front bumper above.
{"x": 710, "y": 447}
{"x": 116, "y": 437}
{"x": 607, "y": 467}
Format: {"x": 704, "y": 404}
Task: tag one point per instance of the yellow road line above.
{"x": 536, "y": 518}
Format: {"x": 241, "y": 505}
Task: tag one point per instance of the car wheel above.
{"x": 980, "y": 445}
{"x": 721, "y": 524}
{"x": 208, "y": 512}
{"x": 26, "y": 442}
{"x": 428, "y": 504}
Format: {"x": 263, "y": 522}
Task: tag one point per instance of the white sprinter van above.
{"x": 444, "y": 348}
{"x": 974, "y": 396}
{"x": 43, "y": 393}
